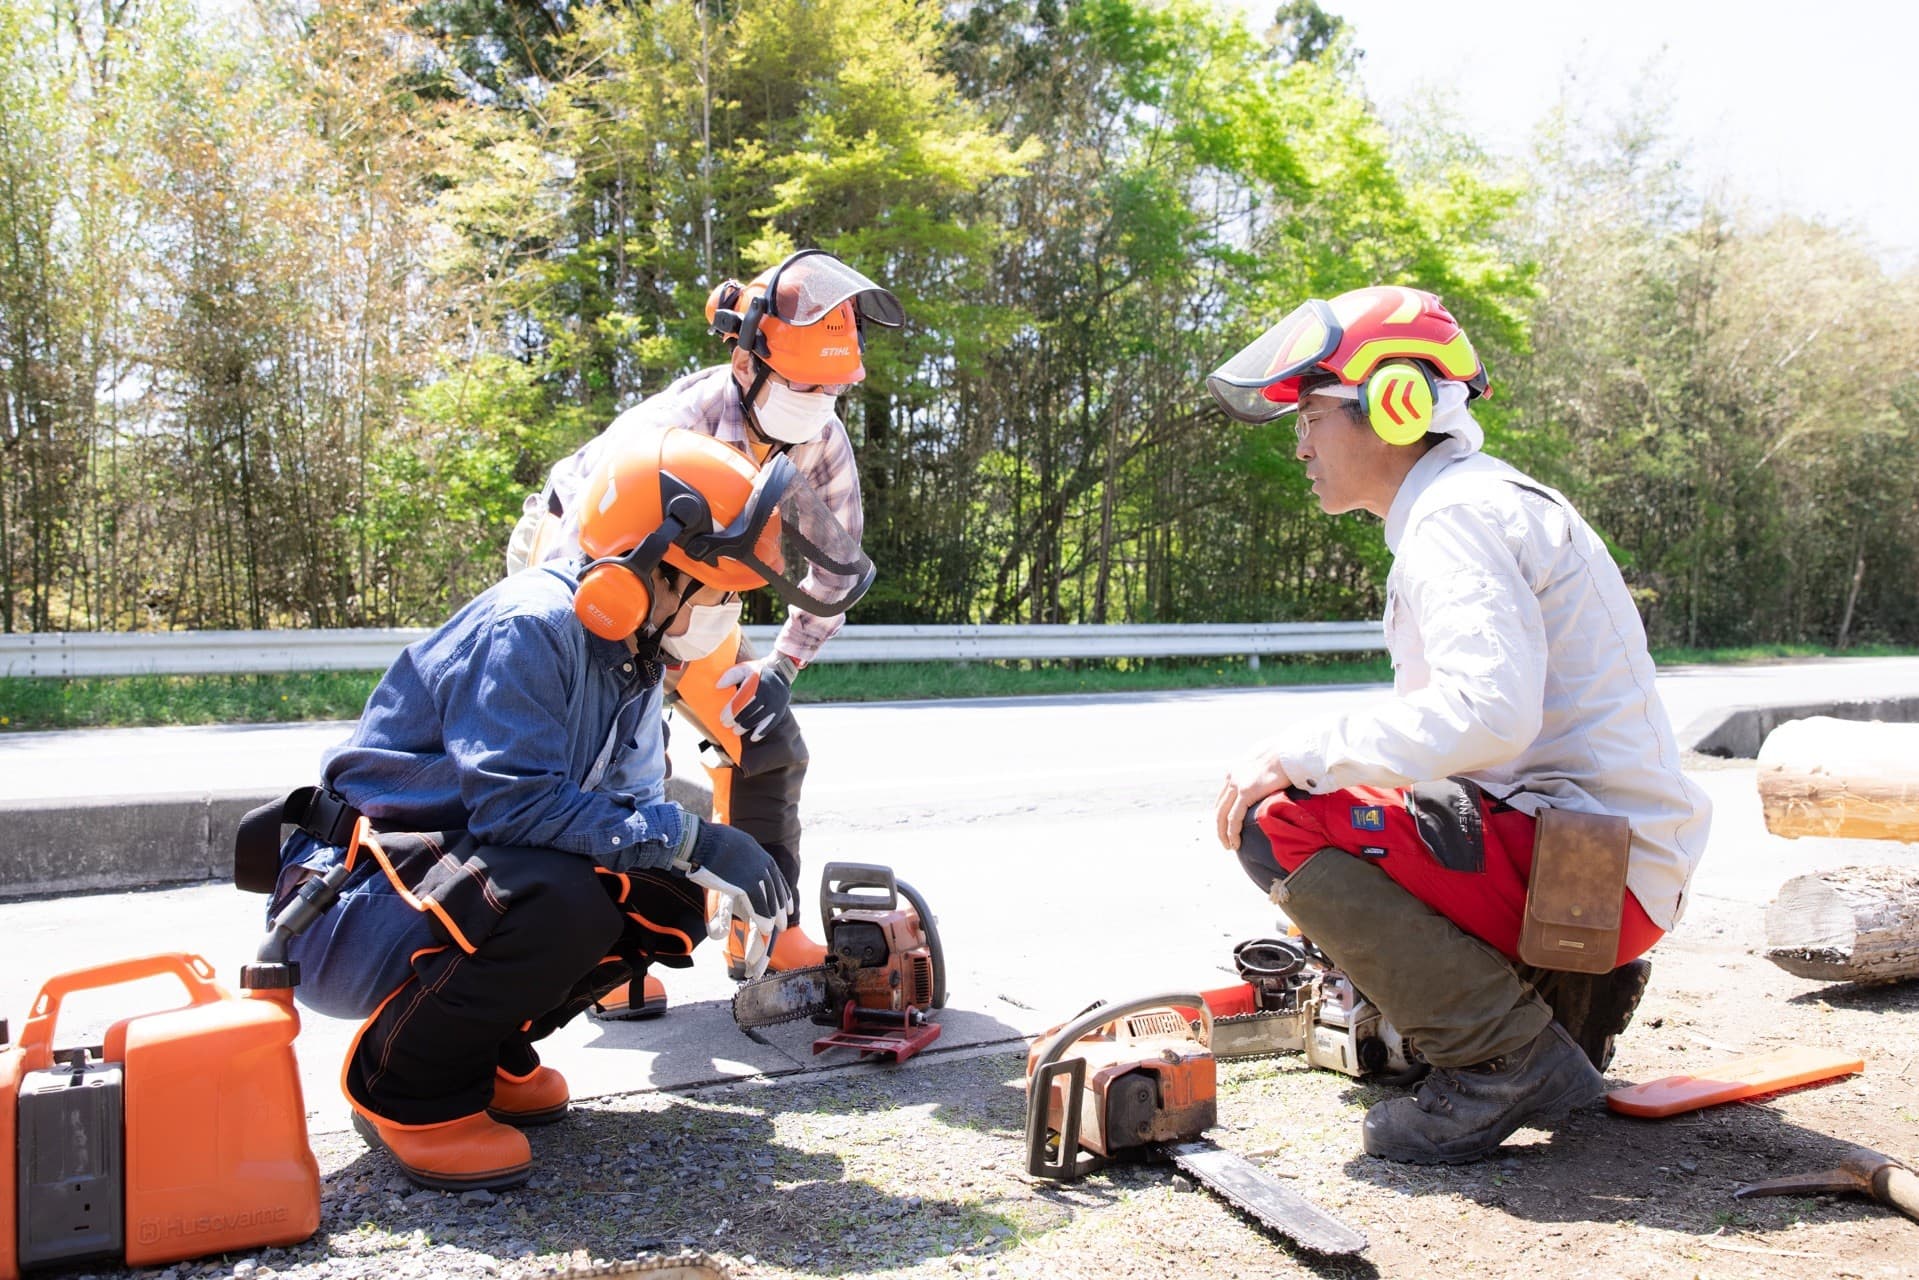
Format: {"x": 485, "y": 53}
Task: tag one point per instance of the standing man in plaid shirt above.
{"x": 797, "y": 334}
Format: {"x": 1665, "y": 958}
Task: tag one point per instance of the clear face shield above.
{"x": 791, "y": 538}
{"x": 802, "y": 291}
{"x": 811, "y": 283}
{"x": 1261, "y": 382}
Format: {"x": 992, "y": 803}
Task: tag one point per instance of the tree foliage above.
{"x": 295, "y": 307}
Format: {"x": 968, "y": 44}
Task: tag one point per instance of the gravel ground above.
{"x": 918, "y": 1171}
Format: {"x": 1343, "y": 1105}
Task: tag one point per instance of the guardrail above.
{"x": 83, "y": 653}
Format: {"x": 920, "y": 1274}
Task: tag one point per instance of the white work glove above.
{"x": 766, "y": 689}
{"x": 731, "y": 863}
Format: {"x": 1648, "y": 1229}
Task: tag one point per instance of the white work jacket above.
{"x": 1519, "y": 662}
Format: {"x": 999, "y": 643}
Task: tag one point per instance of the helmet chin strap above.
{"x": 761, "y": 372}
{"x": 764, "y": 446}
{"x": 646, "y": 641}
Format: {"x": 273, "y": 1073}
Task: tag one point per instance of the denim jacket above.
{"x": 516, "y": 724}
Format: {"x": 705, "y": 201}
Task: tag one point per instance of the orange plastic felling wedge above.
{"x": 1733, "y": 1079}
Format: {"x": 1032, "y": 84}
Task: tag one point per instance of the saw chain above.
{"x": 785, "y": 997}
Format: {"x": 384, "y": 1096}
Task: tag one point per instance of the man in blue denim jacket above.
{"x": 502, "y": 806}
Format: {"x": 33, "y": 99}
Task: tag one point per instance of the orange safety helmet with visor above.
{"x": 684, "y": 499}
{"x": 1387, "y": 341}
{"x": 803, "y": 320}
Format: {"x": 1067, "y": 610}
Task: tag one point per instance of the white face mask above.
{"x": 706, "y": 626}
{"x": 789, "y": 416}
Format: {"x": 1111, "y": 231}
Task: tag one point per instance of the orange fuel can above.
{"x": 182, "y": 1134}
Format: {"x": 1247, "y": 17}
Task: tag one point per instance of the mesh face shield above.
{"x": 1261, "y": 382}
{"x": 789, "y": 536}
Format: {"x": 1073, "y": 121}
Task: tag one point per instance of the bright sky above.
{"x": 1810, "y": 107}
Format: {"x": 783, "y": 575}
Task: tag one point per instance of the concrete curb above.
{"x": 1736, "y": 733}
{"x": 116, "y": 843}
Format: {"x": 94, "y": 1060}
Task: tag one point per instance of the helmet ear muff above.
{"x": 612, "y": 601}
{"x": 1398, "y": 399}
{"x": 722, "y": 309}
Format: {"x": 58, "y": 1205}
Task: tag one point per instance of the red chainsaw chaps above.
{"x": 1374, "y": 823}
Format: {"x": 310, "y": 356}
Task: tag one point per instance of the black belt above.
{"x": 256, "y": 848}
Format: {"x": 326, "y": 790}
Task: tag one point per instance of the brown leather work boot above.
{"x": 472, "y": 1152}
{"x": 1461, "y": 1114}
{"x": 617, "y": 1005}
{"x": 539, "y": 1097}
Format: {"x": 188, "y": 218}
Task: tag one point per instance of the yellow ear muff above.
{"x": 1398, "y": 398}
{"x": 612, "y": 601}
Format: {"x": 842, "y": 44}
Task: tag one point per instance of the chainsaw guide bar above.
{"x": 783, "y": 997}
{"x": 693, "y": 1266}
{"x": 1247, "y": 1187}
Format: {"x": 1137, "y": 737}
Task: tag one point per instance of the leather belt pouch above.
{"x": 1576, "y": 896}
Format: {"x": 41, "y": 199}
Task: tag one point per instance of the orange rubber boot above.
{"x": 537, "y": 1098}
{"x": 472, "y": 1152}
{"x": 791, "y": 950}
{"x": 794, "y": 950}
{"x": 617, "y": 1005}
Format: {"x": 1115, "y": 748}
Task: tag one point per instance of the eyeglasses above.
{"x": 1301, "y": 426}
{"x": 835, "y": 390}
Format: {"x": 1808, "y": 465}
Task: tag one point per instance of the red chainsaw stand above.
{"x": 880, "y": 1033}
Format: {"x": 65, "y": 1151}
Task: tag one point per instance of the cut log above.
{"x": 1854, "y": 924}
{"x": 1826, "y": 777}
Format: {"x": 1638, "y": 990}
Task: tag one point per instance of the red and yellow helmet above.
{"x": 804, "y": 318}
{"x": 1350, "y": 337}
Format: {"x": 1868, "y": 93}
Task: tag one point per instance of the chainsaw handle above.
{"x": 1069, "y": 1164}
{"x": 934, "y": 948}
{"x": 36, "y": 1038}
{"x": 839, "y": 880}
{"x": 1048, "y": 1068}
{"x": 1099, "y": 1015}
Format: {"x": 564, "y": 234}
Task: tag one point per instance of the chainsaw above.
{"x": 1138, "y": 1078}
{"x": 885, "y": 970}
{"x": 1294, "y": 1000}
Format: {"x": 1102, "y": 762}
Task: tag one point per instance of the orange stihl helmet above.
{"x": 1387, "y": 341}
{"x": 805, "y": 318}
{"x": 685, "y": 499}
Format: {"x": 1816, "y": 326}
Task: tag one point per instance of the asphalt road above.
{"x": 1064, "y": 843}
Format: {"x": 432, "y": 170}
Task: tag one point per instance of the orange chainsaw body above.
{"x": 886, "y": 960}
{"x": 210, "y": 1154}
{"x": 1147, "y": 1079}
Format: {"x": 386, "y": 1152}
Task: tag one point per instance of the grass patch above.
{"x": 1775, "y": 653}
{"x": 898, "y": 681}
{"x": 102, "y": 701}
{"x": 126, "y": 701}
